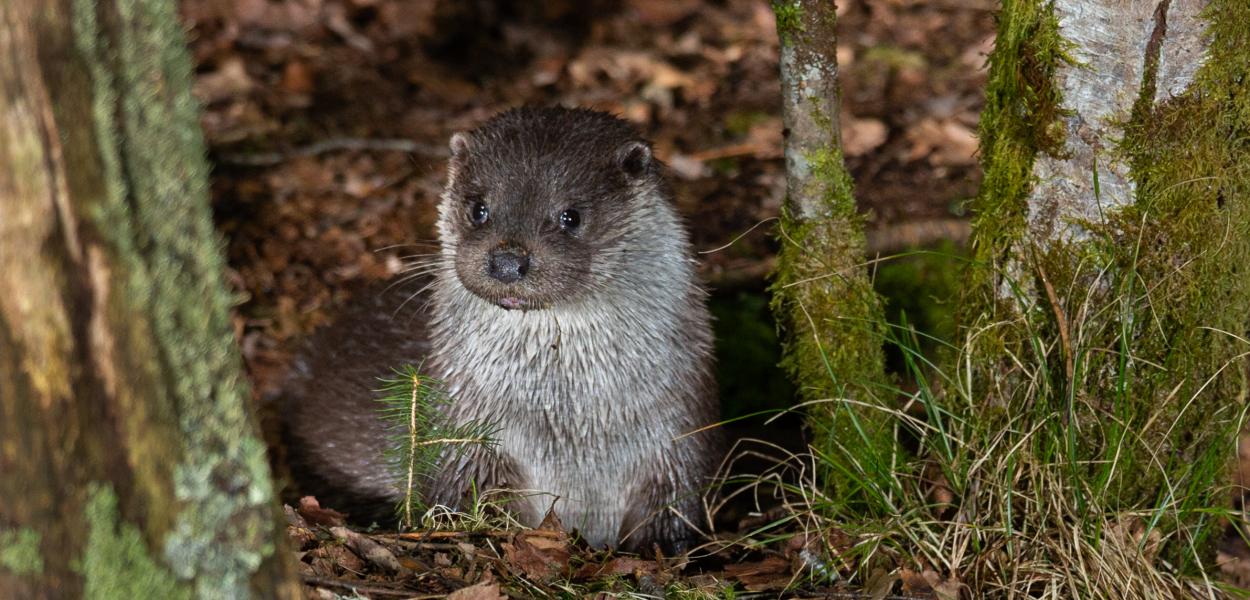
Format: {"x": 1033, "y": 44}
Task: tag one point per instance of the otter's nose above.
{"x": 508, "y": 266}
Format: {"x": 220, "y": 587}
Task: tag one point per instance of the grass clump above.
{"x": 1076, "y": 441}
{"x": 1007, "y": 484}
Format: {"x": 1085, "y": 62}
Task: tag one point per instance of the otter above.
{"x": 562, "y": 306}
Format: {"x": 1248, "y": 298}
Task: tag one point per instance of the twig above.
{"x": 887, "y": 240}
{"x": 267, "y": 159}
{"x": 353, "y": 586}
{"x": 419, "y": 536}
{"x": 913, "y": 234}
{"x": 1062, "y": 319}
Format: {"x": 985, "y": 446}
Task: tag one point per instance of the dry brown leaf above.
{"x": 880, "y": 583}
{"x": 230, "y": 80}
{"x": 486, "y": 589}
{"x": 551, "y": 521}
{"x": 914, "y": 583}
{"x": 311, "y": 510}
{"x": 621, "y": 565}
{"x": 297, "y": 78}
{"x": 373, "y": 552}
{"x": 297, "y": 530}
{"x": 945, "y": 143}
{"x": 1236, "y": 568}
{"x": 533, "y": 562}
{"x": 772, "y": 573}
{"x": 930, "y": 583}
{"x": 861, "y": 136}
{"x": 540, "y": 554}
{"x": 329, "y": 560}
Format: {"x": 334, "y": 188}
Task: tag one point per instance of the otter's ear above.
{"x": 634, "y": 158}
{"x": 459, "y": 144}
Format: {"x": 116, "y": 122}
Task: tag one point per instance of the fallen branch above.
{"x": 267, "y": 159}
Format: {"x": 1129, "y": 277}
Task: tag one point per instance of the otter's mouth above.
{"x": 512, "y": 303}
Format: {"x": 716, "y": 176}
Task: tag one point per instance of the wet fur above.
{"x": 592, "y": 388}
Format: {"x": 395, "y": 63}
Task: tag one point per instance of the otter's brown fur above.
{"x": 563, "y": 307}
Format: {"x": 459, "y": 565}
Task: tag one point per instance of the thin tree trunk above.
{"x": 129, "y": 463}
{"x": 829, "y": 313}
{"x": 1114, "y": 229}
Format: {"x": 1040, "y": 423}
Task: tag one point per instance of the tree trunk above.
{"x": 824, "y": 302}
{"x": 130, "y": 466}
{"x": 1113, "y": 234}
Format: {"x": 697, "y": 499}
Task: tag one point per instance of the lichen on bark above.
{"x": 116, "y": 562}
{"x": 19, "y": 551}
{"x": 147, "y": 120}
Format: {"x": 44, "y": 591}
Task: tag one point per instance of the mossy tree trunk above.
{"x": 1113, "y": 237}
{"x": 823, "y": 299}
{"x": 130, "y": 466}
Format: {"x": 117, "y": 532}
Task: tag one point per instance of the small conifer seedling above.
{"x": 422, "y": 435}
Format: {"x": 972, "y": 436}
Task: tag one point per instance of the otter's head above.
{"x": 536, "y": 199}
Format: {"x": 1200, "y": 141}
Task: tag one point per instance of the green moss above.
{"x": 117, "y": 563}
{"x": 829, "y": 172}
{"x": 1021, "y": 118}
{"x": 833, "y": 332}
{"x": 19, "y": 552}
{"x": 789, "y": 19}
{"x": 1143, "y": 400}
{"x": 1184, "y": 246}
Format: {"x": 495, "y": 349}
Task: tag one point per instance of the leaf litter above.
{"x": 327, "y": 121}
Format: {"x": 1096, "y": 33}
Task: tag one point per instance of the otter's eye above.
{"x": 570, "y": 219}
{"x": 478, "y": 212}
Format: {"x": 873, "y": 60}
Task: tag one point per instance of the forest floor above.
{"x": 327, "y": 123}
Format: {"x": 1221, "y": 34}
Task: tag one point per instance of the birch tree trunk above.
{"x": 1114, "y": 233}
{"x": 824, "y": 302}
{"x": 130, "y": 466}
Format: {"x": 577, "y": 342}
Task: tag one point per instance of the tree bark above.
{"x": 1113, "y": 230}
{"x": 130, "y": 465}
{"x": 829, "y": 314}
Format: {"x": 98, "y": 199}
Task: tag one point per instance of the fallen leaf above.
{"x": 230, "y": 80}
{"x": 914, "y": 583}
{"x": 551, "y": 521}
{"x": 486, "y": 589}
{"x": 772, "y": 573}
{"x": 880, "y": 583}
{"x": 373, "y": 552}
{"x": 944, "y": 143}
{"x": 621, "y": 565}
{"x": 929, "y": 583}
{"x": 861, "y": 136}
{"x": 540, "y": 564}
{"x": 310, "y": 509}
{"x": 540, "y": 554}
{"x": 297, "y": 78}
